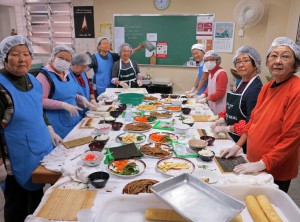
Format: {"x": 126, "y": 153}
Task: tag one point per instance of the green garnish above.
{"x": 151, "y": 118}
{"x": 130, "y": 169}
{"x": 203, "y": 166}
{"x": 139, "y": 138}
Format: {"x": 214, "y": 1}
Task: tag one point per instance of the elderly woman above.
{"x": 77, "y": 69}
{"x": 61, "y": 92}
{"x": 200, "y": 83}
{"x": 272, "y": 134}
{"x": 126, "y": 72}
{"x": 25, "y": 133}
{"x": 239, "y": 104}
{"x": 215, "y": 93}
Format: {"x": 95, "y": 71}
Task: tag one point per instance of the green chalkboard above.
{"x": 179, "y": 31}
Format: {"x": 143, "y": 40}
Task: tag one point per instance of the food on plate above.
{"x": 152, "y": 98}
{"x": 102, "y": 137}
{"x": 156, "y": 103}
{"x": 268, "y": 208}
{"x": 147, "y": 107}
{"x": 89, "y": 122}
{"x": 172, "y": 108}
{"x": 145, "y": 119}
{"x": 139, "y": 186}
{"x": 90, "y": 157}
{"x": 163, "y": 215}
{"x": 162, "y": 137}
{"x": 161, "y": 114}
{"x": 137, "y": 126}
{"x": 255, "y": 210}
{"x": 131, "y": 138}
{"x": 168, "y": 165}
{"x": 205, "y": 179}
{"x": 206, "y": 153}
{"x": 125, "y": 167}
{"x": 156, "y": 150}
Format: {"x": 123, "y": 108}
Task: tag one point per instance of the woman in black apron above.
{"x": 126, "y": 73}
{"x": 240, "y": 103}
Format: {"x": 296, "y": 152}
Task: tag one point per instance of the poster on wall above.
{"x": 161, "y": 50}
{"x": 298, "y": 34}
{"x": 84, "y": 21}
{"x": 223, "y": 36}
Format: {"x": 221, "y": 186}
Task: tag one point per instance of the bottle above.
{"x": 128, "y": 113}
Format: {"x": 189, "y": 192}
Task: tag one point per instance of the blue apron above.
{"x": 27, "y": 137}
{"x": 83, "y": 90}
{"x": 60, "y": 119}
{"x": 200, "y": 73}
{"x": 102, "y": 77}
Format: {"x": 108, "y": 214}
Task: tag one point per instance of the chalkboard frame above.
{"x": 177, "y": 56}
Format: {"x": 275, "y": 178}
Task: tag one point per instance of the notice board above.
{"x": 177, "y": 32}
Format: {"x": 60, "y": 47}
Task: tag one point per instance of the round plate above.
{"x": 173, "y": 137}
{"x": 139, "y": 186}
{"x": 146, "y": 108}
{"x": 162, "y": 117}
{"x": 155, "y": 103}
{"x": 135, "y": 135}
{"x": 134, "y": 119}
{"x": 166, "y": 100}
{"x": 140, "y": 164}
{"x": 93, "y": 114}
{"x": 138, "y": 131}
{"x": 165, "y": 147}
{"x": 185, "y": 167}
{"x": 212, "y": 176}
{"x": 168, "y": 108}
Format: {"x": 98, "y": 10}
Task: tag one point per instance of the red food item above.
{"x": 90, "y": 157}
{"x": 104, "y": 128}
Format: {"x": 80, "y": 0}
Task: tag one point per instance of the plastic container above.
{"x": 86, "y": 215}
{"x": 128, "y": 114}
{"x": 131, "y": 98}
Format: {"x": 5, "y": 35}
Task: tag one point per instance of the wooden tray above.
{"x": 226, "y": 165}
{"x": 203, "y": 118}
{"x": 203, "y": 132}
{"x": 63, "y": 204}
{"x": 78, "y": 142}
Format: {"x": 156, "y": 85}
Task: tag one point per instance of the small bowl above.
{"x": 206, "y": 155}
{"x": 186, "y": 110}
{"x": 115, "y": 113}
{"x": 190, "y": 122}
{"x": 108, "y": 102}
{"x": 197, "y": 144}
{"x": 209, "y": 139}
{"x": 96, "y": 146}
{"x": 92, "y": 158}
{"x": 163, "y": 96}
{"x": 176, "y": 102}
{"x": 109, "y": 119}
{"x": 103, "y": 128}
{"x": 181, "y": 128}
{"x": 116, "y": 126}
{"x": 98, "y": 179}
{"x": 122, "y": 107}
{"x": 184, "y": 101}
{"x": 174, "y": 96}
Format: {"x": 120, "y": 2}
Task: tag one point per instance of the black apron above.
{"x": 128, "y": 75}
{"x": 234, "y": 112}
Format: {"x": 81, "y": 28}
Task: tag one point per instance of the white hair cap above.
{"x": 60, "y": 48}
{"x": 101, "y": 38}
{"x": 11, "y": 41}
{"x": 199, "y": 47}
{"x": 213, "y": 54}
{"x": 251, "y": 52}
{"x": 81, "y": 58}
{"x": 124, "y": 45}
{"x": 287, "y": 42}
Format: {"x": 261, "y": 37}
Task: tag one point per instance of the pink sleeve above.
{"x": 221, "y": 87}
{"x": 48, "y": 103}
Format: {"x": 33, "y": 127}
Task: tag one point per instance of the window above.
{"x": 49, "y": 23}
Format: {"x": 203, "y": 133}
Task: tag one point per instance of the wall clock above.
{"x": 161, "y": 4}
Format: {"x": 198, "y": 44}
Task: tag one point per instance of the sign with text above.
{"x": 84, "y": 21}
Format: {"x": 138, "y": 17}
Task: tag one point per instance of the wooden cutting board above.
{"x": 78, "y": 142}
{"x": 63, "y": 204}
{"x": 226, "y": 165}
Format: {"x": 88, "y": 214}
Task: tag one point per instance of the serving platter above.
{"x": 127, "y": 138}
{"x": 137, "y": 127}
{"x": 145, "y": 119}
{"x": 146, "y": 108}
{"x": 172, "y": 108}
{"x": 204, "y": 173}
{"x": 156, "y": 150}
{"x": 174, "y": 166}
{"x": 137, "y": 166}
{"x": 162, "y": 114}
{"x": 162, "y": 137}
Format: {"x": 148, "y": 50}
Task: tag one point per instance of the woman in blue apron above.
{"x": 77, "y": 69}
{"x": 126, "y": 72}
{"x": 200, "y": 83}
{"x": 25, "y": 138}
{"x": 239, "y": 104}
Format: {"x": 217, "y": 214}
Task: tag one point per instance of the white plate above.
{"x": 140, "y": 164}
{"x": 136, "y": 134}
{"x": 163, "y": 146}
{"x": 172, "y": 172}
{"x": 166, "y": 108}
{"x": 174, "y": 138}
{"x": 213, "y": 177}
{"x": 145, "y": 122}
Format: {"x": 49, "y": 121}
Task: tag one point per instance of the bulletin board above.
{"x": 177, "y": 31}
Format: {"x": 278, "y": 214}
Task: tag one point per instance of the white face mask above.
{"x": 210, "y": 65}
{"x": 61, "y": 65}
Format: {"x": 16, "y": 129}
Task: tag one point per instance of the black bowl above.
{"x": 97, "y": 145}
{"x": 174, "y": 96}
{"x": 98, "y": 179}
{"x": 186, "y": 110}
{"x": 209, "y": 139}
{"x": 116, "y": 126}
{"x": 205, "y": 157}
{"x": 184, "y": 101}
{"x": 115, "y": 113}
{"x": 122, "y": 107}
{"x": 163, "y": 96}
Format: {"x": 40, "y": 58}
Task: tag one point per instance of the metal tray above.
{"x": 196, "y": 200}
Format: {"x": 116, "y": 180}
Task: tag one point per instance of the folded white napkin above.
{"x": 107, "y": 95}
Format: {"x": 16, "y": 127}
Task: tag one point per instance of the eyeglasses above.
{"x": 239, "y": 62}
{"x": 284, "y": 57}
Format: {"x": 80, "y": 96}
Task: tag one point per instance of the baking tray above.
{"x": 196, "y": 200}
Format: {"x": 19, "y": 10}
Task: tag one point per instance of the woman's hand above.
{"x": 250, "y": 167}
{"x": 229, "y": 152}
{"x": 56, "y": 139}
{"x": 124, "y": 85}
{"x": 71, "y": 109}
